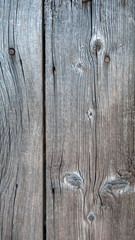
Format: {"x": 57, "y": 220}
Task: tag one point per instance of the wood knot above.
{"x": 96, "y": 44}
{"x": 110, "y": 191}
{"x": 73, "y": 179}
{"x": 91, "y": 217}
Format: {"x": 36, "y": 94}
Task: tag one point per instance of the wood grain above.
{"x": 21, "y": 120}
{"x": 90, "y": 106}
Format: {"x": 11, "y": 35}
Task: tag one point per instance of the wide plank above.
{"x": 90, "y": 106}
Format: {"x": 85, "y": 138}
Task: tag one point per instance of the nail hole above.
{"x": 107, "y": 59}
{"x": 11, "y": 51}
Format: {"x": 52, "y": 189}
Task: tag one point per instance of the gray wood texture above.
{"x": 21, "y": 120}
{"x": 90, "y": 119}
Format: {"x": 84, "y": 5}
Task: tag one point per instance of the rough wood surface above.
{"x": 90, "y": 119}
{"x": 20, "y": 120}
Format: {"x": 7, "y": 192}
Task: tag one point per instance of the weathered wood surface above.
{"x": 21, "y": 120}
{"x": 90, "y": 109}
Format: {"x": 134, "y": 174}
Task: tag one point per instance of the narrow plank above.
{"x": 21, "y": 120}
{"x": 90, "y": 119}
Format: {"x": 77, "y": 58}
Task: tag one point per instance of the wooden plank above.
{"x": 114, "y": 26}
{"x": 21, "y": 119}
{"x": 90, "y": 106}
